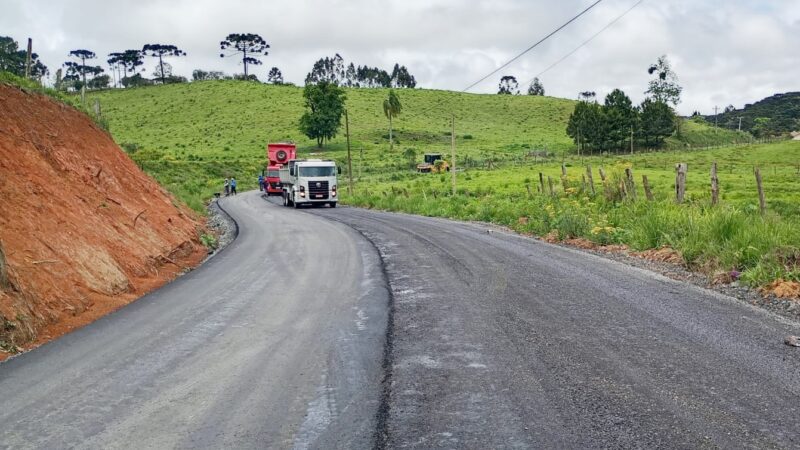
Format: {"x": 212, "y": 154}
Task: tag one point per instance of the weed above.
{"x": 209, "y": 241}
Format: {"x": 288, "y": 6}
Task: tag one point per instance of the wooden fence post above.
{"x": 647, "y": 192}
{"x": 680, "y": 181}
{"x": 528, "y": 188}
{"x": 762, "y": 203}
{"x": 550, "y": 183}
{"x": 541, "y": 182}
{"x": 714, "y": 184}
{"x": 591, "y": 179}
{"x": 631, "y": 185}
{"x": 563, "y": 176}
{"x": 583, "y": 183}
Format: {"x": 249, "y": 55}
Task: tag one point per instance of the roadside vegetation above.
{"x": 731, "y": 240}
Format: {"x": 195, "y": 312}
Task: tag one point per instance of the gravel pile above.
{"x": 222, "y": 224}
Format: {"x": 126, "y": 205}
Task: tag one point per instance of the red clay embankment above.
{"x": 83, "y": 231}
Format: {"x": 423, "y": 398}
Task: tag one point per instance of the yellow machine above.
{"x": 433, "y": 164}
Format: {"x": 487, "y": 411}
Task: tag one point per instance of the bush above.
{"x": 130, "y": 147}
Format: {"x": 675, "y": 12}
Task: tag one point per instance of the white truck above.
{"x": 309, "y": 182}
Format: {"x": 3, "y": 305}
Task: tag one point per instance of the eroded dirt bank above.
{"x": 83, "y": 230}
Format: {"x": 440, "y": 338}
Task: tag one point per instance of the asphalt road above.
{"x": 499, "y": 341}
{"x": 276, "y": 342}
{"x": 489, "y": 340}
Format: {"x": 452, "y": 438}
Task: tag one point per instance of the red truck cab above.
{"x": 278, "y": 154}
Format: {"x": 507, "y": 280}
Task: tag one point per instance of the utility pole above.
{"x": 28, "y": 59}
{"x": 453, "y": 157}
{"x": 349, "y": 160}
{"x": 631, "y": 139}
{"x": 716, "y": 117}
{"x": 740, "y": 123}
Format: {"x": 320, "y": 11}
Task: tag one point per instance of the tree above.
{"x": 77, "y": 71}
{"x": 328, "y": 69}
{"x": 401, "y": 78}
{"x": 619, "y": 117}
{"x": 372, "y": 77}
{"x": 275, "y": 76}
{"x": 762, "y": 127}
{"x": 14, "y": 60}
{"x": 587, "y": 96}
{"x": 325, "y": 106}
{"x": 162, "y": 71}
{"x": 99, "y": 82}
{"x": 411, "y": 156}
{"x": 657, "y": 121}
{"x": 136, "y": 80}
{"x": 585, "y": 125}
{"x": 244, "y": 77}
{"x": 391, "y": 108}
{"x": 202, "y": 75}
{"x": 664, "y": 87}
{"x": 508, "y": 85}
{"x": 350, "y": 76}
{"x": 116, "y": 66}
{"x": 129, "y": 61}
{"x": 536, "y": 87}
{"x": 251, "y": 46}
{"x": 59, "y": 79}
{"x": 161, "y": 51}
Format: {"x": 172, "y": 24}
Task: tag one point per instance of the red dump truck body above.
{"x": 278, "y": 154}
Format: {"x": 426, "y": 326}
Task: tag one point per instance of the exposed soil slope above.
{"x": 83, "y": 231}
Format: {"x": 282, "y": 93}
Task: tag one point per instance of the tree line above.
{"x": 617, "y": 124}
{"x": 82, "y": 71}
{"x": 333, "y": 70}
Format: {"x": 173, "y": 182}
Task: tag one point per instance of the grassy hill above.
{"x": 189, "y": 136}
{"x": 783, "y": 110}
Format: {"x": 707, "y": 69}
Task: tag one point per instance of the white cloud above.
{"x": 730, "y": 52}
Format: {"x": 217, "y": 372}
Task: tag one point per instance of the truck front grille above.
{"x": 317, "y": 190}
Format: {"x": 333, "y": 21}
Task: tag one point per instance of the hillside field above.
{"x": 190, "y": 136}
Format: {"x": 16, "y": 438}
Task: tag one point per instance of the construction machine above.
{"x": 433, "y": 164}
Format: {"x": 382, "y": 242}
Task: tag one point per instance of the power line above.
{"x": 609, "y": 25}
{"x": 533, "y": 46}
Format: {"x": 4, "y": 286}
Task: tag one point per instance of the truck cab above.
{"x": 309, "y": 182}
{"x": 272, "y": 181}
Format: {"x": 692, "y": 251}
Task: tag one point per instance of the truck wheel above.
{"x": 295, "y": 204}
{"x": 333, "y": 204}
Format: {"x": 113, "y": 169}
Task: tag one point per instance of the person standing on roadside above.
{"x": 227, "y": 187}
{"x": 233, "y": 186}
{"x": 261, "y": 182}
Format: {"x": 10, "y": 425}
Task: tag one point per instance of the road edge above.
{"x": 110, "y": 313}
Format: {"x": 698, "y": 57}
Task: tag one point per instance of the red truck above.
{"x": 278, "y": 154}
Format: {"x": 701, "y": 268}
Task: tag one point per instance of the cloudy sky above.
{"x": 723, "y": 51}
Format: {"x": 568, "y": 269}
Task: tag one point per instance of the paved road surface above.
{"x": 276, "y": 342}
{"x": 496, "y": 341}
{"x": 502, "y": 341}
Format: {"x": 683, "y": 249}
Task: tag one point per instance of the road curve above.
{"x": 277, "y": 342}
{"x": 500, "y": 341}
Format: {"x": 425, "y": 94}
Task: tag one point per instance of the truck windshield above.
{"x": 319, "y": 171}
{"x": 273, "y": 174}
